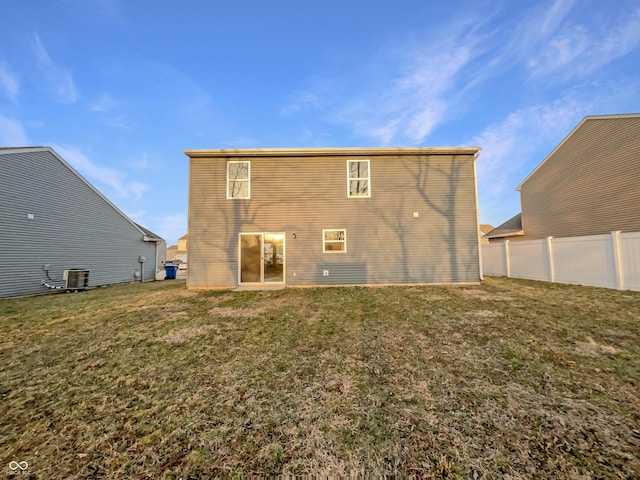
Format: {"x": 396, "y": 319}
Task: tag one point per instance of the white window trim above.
{"x": 248, "y": 180}
{"x": 349, "y": 179}
{"x": 324, "y": 242}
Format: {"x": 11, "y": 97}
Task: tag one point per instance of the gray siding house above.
{"x": 53, "y": 221}
{"x": 588, "y": 185}
{"x": 350, "y": 216}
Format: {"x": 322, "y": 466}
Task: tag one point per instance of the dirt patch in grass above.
{"x": 231, "y": 312}
{"x": 511, "y": 379}
{"x": 488, "y": 296}
{"x": 591, "y": 348}
{"x": 186, "y": 334}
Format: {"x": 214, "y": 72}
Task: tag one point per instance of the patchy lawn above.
{"x": 513, "y": 379}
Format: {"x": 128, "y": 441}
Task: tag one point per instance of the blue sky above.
{"x": 120, "y": 88}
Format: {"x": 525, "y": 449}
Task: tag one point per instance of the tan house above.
{"x": 341, "y": 216}
{"x": 484, "y": 228}
{"x": 183, "y": 247}
{"x": 171, "y": 252}
{"x": 588, "y": 185}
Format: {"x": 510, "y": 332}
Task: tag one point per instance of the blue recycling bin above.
{"x": 170, "y": 271}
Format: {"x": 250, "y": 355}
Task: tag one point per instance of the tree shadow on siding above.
{"x": 446, "y": 206}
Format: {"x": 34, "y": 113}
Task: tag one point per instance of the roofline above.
{"x": 149, "y": 236}
{"x": 589, "y": 117}
{"x": 314, "y": 152}
{"x": 519, "y": 233}
{"x": 7, "y": 151}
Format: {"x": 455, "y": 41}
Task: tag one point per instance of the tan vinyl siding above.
{"x": 305, "y": 195}
{"x": 589, "y": 185}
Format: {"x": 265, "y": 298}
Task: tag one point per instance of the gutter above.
{"x": 323, "y": 152}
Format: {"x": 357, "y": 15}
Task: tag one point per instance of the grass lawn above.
{"x": 510, "y": 379}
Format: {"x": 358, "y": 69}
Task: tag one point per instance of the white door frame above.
{"x": 262, "y": 279}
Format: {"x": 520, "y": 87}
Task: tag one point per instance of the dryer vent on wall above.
{"x": 76, "y": 279}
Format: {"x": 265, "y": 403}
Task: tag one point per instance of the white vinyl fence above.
{"x": 610, "y": 261}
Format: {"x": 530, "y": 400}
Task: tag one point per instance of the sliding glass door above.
{"x": 262, "y": 258}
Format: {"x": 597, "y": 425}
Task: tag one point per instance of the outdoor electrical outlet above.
{"x": 46, "y": 267}
{"x": 325, "y": 273}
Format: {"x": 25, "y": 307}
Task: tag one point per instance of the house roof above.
{"x": 315, "y": 152}
{"x": 148, "y": 236}
{"x": 510, "y": 228}
{"x": 20, "y": 148}
{"x": 485, "y": 228}
{"x": 184, "y": 237}
{"x": 592, "y": 118}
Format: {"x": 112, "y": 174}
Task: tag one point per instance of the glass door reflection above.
{"x": 273, "y": 257}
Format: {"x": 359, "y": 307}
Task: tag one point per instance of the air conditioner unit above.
{"x": 76, "y": 279}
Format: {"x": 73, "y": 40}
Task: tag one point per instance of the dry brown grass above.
{"x": 511, "y": 379}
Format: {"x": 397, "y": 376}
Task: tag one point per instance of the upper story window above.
{"x": 358, "y": 178}
{"x": 238, "y": 179}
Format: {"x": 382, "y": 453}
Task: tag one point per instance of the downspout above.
{"x": 475, "y": 186}
{"x": 155, "y": 262}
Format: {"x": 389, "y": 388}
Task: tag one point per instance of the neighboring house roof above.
{"x": 22, "y": 148}
{"x": 184, "y": 237}
{"x": 148, "y": 236}
{"x": 559, "y": 146}
{"x": 510, "y": 228}
{"x": 485, "y": 228}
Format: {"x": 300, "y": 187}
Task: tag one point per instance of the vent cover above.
{"x": 76, "y": 279}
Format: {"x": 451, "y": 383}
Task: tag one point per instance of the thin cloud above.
{"x": 12, "y": 133}
{"x": 553, "y": 17}
{"x": 137, "y": 189}
{"x": 116, "y": 181}
{"x": 412, "y": 103}
{"x": 104, "y": 103}
{"x": 137, "y": 216}
{"x": 513, "y": 147}
{"x": 422, "y": 92}
{"x": 300, "y": 101}
{"x": 528, "y": 38}
{"x": 416, "y": 100}
{"x": 56, "y": 79}
{"x": 9, "y": 82}
{"x": 535, "y": 27}
{"x": 142, "y": 163}
{"x": 581, "y": 50}
{"x": 404, "y": 101}
{"x": 109, "y": 111}
{"x": 507, "y": 146}
{"x": 406, "y": 92}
